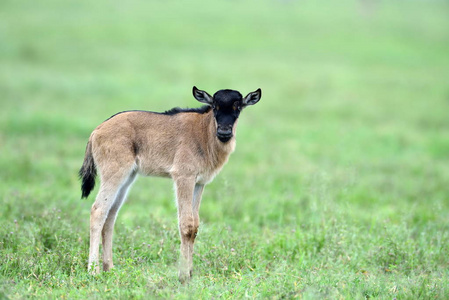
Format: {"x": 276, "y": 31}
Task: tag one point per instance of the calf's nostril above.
{"x": 224, "y": 131}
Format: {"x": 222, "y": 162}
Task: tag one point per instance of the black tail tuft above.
{"x": 87, "y": 173}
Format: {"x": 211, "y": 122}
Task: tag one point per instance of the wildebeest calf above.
{"x": 188, "y": 145}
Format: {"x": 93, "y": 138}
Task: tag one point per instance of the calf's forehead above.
{"x": 225, "y": 97}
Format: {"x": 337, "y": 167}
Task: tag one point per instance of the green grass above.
{"x": 338, "y": 188}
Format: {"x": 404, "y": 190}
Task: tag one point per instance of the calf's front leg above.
{"x": 197, "y": 194}
{"x": 187, "y": 226}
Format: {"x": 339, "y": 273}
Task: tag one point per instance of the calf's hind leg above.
{"x": 108, "y": 227}
{"x": 111, "y": 183}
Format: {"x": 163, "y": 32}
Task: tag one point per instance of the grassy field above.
{"x": 338, "y": 188}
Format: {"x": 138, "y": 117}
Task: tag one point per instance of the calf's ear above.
{"x": 202, "y": 96}
{"x": 252, "y": 98}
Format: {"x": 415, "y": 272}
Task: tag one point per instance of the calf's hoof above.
{"x": 93, "y": 269}
{"x": 107, "y": 267}
{"x": 184, "y": 276}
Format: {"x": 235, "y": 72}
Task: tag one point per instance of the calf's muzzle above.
{"x": 224, "y": 132}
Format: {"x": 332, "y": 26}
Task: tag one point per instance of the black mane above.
{"x": 200, "y": 110}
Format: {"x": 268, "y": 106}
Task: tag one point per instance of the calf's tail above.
{"x": 88, "y": 172}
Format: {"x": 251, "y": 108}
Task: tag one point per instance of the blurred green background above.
{"x": 338, "y": 186}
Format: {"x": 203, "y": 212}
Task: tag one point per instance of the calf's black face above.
{"x": 226, "y": 105}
